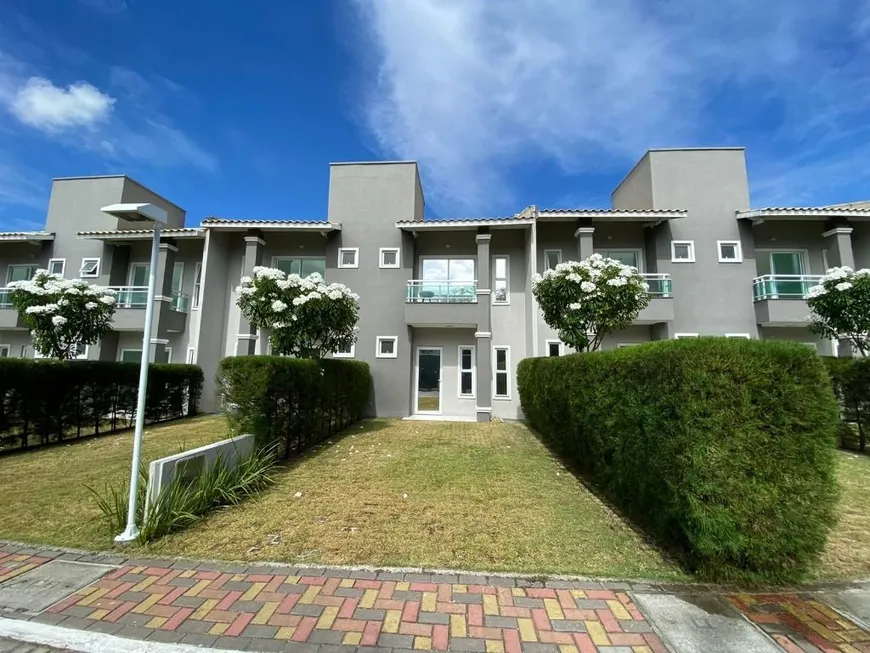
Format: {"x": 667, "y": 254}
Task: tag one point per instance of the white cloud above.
{"x": 41, "y": 104}
{"x": 475, "y": 89}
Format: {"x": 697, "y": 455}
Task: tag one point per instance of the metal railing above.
{"x": 137, "y": 297}
{"x": 659, "y": 284}
{"x": 4, "y": 298}
{"x": 420, "y": 291}
{"x": 783, "y": 286}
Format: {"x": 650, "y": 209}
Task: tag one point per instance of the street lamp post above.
{"x": 158, "y": 216}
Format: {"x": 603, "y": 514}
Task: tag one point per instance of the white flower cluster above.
{"x": 312, "y": 286}
{"x": 841, "y": 276}
{"x": 589, "y": 272}
{"x": 43, "y": 283}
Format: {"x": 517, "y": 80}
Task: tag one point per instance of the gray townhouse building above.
{"x": 446, "y": 308}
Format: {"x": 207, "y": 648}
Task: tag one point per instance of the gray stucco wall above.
{"x": 635, "y": 191}
{"x": 861, "y": 244}
{"x": 212, "y": 333}
{"x": 134, "y": 192}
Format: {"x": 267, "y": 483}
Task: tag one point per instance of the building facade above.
{"x": 446, "y": 308}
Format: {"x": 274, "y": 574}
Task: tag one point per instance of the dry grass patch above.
{"x": 848, "y": 551}
{"x": 434, "y": 494}
{"x": 44, "y": 495}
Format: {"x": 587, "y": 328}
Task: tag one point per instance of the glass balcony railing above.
{"x": 180, "y": 302}
{"x": 659, "y": 285}
{"x": 137, "y": 297}
{"x": 783, "y": 286}
{"x": 421, "y": 291}
{"x": 4, "y": 298}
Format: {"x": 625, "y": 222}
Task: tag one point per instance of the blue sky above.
{"x": 235, "y": 109}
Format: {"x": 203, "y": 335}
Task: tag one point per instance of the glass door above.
{"x": 429, "y": 380}
{"x": 788, "y": 264}
{"x": 139, "y": 273}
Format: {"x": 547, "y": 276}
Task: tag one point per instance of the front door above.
{"x": 428, "y": 395}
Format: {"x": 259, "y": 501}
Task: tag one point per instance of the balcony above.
{"x": 441, "y": 303}
{"x": 130, "y": 316}
{"x": 780, "y": 299}
{"x": 661, "y": 305}
{"x": 8, "y": 315}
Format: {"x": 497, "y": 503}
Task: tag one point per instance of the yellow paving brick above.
{"x": 391, "y": 621}
{"x": 238, "y": 578}
{"x": 527, "y": 630}
{"x": 351, "y": 639}
{"x": 346, "y": 582}
{"x": 147, "y": 603}
{"x": 90, "y": 589}
{"x": 204, "y": 609}
{"x": 98, "y": 614}
{"x": 144, "y": 584}
{"x": 220, "y": 629}
{"x": 137, "y": 570}
{"x": 327, "y": 618}
{"x": 403, "y": 587}
{"x": 460, "y": 589}
{"x": 518, "y": 591}
{"x": 310, "y": 594}
{"x": 423, "y": 643}
{"x": 853, "y": 635}
{"x": 156, "y": 622}
{"x": 253, "y": 591}
{"x": 266, "y": 613}
{"x": 292, "y": 580}
{"x": 196, "y": 589}
{"x": 848, "y": 648}
{"x": 567, "y": 648}
{"x": 596, "y": 632}
{"x": 497, "y": 646}
{"x": 93, "y": 596}
{"x": 578, "y": 594}
{"x": 830, "y": 614}
{"x": 429, "y": 604}
{"x": 368, "y": 599}
{"x": 748, "y": 599}
{"x": 829, "y": 635}
{"x": 641, "y": 649}
{"x": 16, "y": 572}
{"x": 187, "y": 574}
{"x": 458, "y": 626}
{"x": 618, "y": 610}
{"x": 19, "y": 557}
{"x": 490, "y": 604}
{"x": 285, "y": 633}
{"x": 554, "y": 610}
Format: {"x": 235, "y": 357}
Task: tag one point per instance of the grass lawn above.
{"x": 848, "y": 552}
{"x": 44, "y": 494}
{"x": 435, "y": 494}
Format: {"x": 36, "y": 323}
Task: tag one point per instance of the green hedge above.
{"x": 851, "y": 381}
{"x": 292, "y": 402}
{"x": 723, "y": 449}
{"x": 46, "y": 401}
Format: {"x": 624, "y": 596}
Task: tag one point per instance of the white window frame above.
{"x": 622, "y": 345}
{"x": 555, "y": 342}
{"x": 641, "y": 264}
{"x": 506, "y": 372}
{"x": 350, "y": 354}
{"x": 8, "y": 349}
{"x": 25, "y": 351}
{"x": 80, "y": 357}
{"x": 677, "y": 336}
{"x": 18, "y": 265}
{"x": 276, "y": 259}
{"x": 178, "y": 265}
{"x": 690, "y": 243}
{"x": 472, "y": 371}
{"x": 131, "y": 269}
{"x": 197, "y": 285}
{"x": 168, "y": 355}
{"x": 745, "y": 336}
{"x": 191, "y": 356}
{"x": 91, "y": 275}
{"x": 342, "y": 250}
{"x": 551, "y": 251}
{"x": 507, "y": 280}
{"x": 384, "y": 250}
{"x": 814, "y": 345}
{"x": 124, "y": 349}
{"x": 62, "y": 262}
{"x": 380, "y": 339}
{"x": 738, "y": 250}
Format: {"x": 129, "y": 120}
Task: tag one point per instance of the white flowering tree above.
{"x": 585, "y": 300}
{"x": 840, "y": 307}
{"x": 308, "y": 317}
{"x": 62, "y": 313}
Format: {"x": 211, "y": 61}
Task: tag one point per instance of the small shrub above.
{"x": 723, "y": 449}
{"x": 851, "y": 381}
{"x": 293, "y": 402}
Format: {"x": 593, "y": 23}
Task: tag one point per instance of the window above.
{"x": 25, "y": 351}
{"x": 57, "y": 266}
{"x": 387, "y": 347}
{"x": 177, "y": 278}
{"x": 81, "y": 351}
{"x": 678, "y": 336}
{"x": 501, "y": 378}
{"x": 621, "y": 345}
{"x": 811, "y": 345}
{"x": 682, "y": 251}
{"x": 303, "y": 266}
{"x": 90, "y": 268}
{"x": 131, "y": 355}
{"x": 20, "y": 273}
{"x": 501, "y": 292}
{"x": 738, "y": 335}
{"x": 555, "y": 348}
{"x": 5, "y": 351}
{"x": 389, "y": 257}
{"x": 197, "y": 283}
{"x": 729, "y": 251}
{"x": 191, "y": 356}
{"x": 347, "y": 351}
{"x": 348, "y": 257}
{"x": 466, "y": 371}
{"x": 552, "y": 258}
{"x": 625, "y": 256}
{"x": 167, "y": 355}
{"x": 445, "y": 280}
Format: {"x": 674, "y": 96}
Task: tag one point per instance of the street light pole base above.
{"x": 128, "y": 536}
